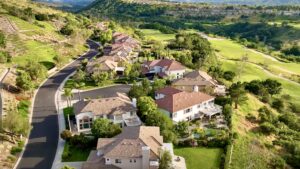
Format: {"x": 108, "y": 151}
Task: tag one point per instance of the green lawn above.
{"x": 75, "y": 154}
{"x": 232, "y": 50}
{"x": 157, "y": 35}
{"x": 204, "y": 158}
{"x": 252, "y": 72}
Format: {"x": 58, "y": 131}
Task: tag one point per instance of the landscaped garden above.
{"x": 199, "y": 156}
{"x": 72, "y": 153}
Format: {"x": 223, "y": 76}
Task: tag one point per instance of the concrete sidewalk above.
{"x": 60, "y": 105}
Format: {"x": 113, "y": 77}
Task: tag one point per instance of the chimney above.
{"x": 134, "y": 102}
{"x": 145, "y": 157}
{"x": 196, "y": 89}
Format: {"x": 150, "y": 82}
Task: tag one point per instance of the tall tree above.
{"x": 237, "y": 93}
{"x": 273, "y": 86}
{"x": 146, "y": 105}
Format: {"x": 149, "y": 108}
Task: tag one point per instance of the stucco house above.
{"x": 120, "y": 110}
{"x": 107, "y": 64}
{"x": 185, "y": 106}
{"x": 198, "y": 81}
{"x": 135, "y": 148}
{"x": 164, "y": 68}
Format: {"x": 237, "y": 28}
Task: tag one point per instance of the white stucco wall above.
{"x": 181, "y": 116}
{"x": 80, "y": 117}
{"x": 175, "y": 73}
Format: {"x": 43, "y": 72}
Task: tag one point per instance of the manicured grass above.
{"x": 157, "y": 35}
{"x": 204, "y": 158}
{"x": 75, "y": 154}
{"x": 232, "y": 50}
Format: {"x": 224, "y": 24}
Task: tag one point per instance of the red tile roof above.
{"x": 168, "y": 91}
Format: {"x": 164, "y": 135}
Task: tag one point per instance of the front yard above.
{"x": 199, "y": 157}
{"x": 74, "y": 154}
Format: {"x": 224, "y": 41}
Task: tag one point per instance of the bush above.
{"x": 229, "y": 75}
{"x": 278, "y": 104}
{"x": 4, "y": 57}
{"x": 82, "y": 141}
{"x": 41, "y": 17}
{"x": 278, "y": 163}
{"x": 250, "y": 117}
{"x": 67, "y": 30}
{"x": 2, "y": 39}
{"x": 66, "y": 135}
{"x": 103, "y": 128}
{"x": 267, "y": 128}
{"x": 15, "y": 150}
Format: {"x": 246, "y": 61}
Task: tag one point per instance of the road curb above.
{"x": 32, "y": 104}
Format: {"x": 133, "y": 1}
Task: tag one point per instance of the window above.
{"x": 85, "y": 123}
{"x": 130, "y": 161}
{"x": 134, "y": 160}
{"x": 187, "y": 110}
{"x": 118, "y": 161}
{"x": 107, "y": 159}
{"x": 174, "y": 115}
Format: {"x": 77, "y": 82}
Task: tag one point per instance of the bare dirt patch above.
{"x": 7, "y": 26}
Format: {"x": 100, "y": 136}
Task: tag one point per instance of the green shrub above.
{"x": 267, "y": 128}
{"x": 15, "y": 150}
{"x": 278, "y": 163}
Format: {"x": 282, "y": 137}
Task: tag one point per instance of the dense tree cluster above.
{"x": 200, "y": 49}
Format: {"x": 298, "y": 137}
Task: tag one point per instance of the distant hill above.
{"x": 245, "y": 2}
{"x": 71, "y": 5}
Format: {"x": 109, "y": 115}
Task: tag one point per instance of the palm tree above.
{"x": 68, "y": 94}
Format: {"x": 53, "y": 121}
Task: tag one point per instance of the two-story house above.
{"x": 120, "y": 110}
{"x": 164, "y": 68}
{"x": 185, "y": 106}
{"x": 107, "y": 64}
{"x": 135, "y": 148}
{"x": 198, "y": 81}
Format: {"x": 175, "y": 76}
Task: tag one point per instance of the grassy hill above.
{"x": 244, "y": 2}
{"x": 33, "y": 32}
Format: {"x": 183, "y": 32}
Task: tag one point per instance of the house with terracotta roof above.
{"x": 186, "y": 106}
{"x": 198, "y": 81}
{"x": 120, "y": 110}
{"x": 135, "y": 148}
{"x": 164, "y": 68}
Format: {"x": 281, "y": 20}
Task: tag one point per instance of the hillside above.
{"x": 33, "y": 39}
{"x": 244, "y": 2}
{"x": 70, "y": 5}
{"x": 32, "y": 31}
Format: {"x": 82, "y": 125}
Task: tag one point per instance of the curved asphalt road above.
{"x": 43, "y": 139}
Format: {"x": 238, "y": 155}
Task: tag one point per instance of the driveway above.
{"x": 43, "y": 139}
